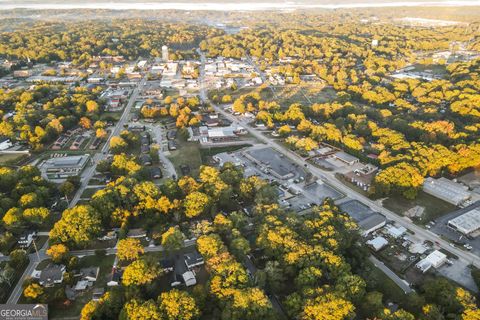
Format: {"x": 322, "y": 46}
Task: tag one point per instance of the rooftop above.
{"x": 71, "y": 161}
{"x": 365, "y": 217}
{"x": 468, "y": 221}
{"x": 446, "y": 189}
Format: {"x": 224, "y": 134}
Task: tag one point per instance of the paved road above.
{"x": 90, "y": 171}
{"x": 169, "y": 167}
{"x": 87, "y": 175}
{"x": 330, "y": 178}
{"x": 392, "y": 275}
{"x": 110, "y": 251}
{"x": 34, "y": 261}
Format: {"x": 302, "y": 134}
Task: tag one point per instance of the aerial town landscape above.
{"x": 315, "y": 160}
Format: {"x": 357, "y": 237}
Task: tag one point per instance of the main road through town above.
{"x": 87, "y": 175}
{"x": 330, "y": 178}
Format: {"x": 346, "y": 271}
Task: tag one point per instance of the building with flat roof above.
{"x": 64, "y": 167}
{"x": 378, "y": 243}
{"x": 276, "y": 163}
{"x": 435, "y": 259}
{"x": 346, "y": 158}
{"x": 367, "y": 219}
{"x": 447, "y": 190}
{"x": 204, "y": 134}
{"x": 363, "y": 176}
{"x": 468, "y": 222}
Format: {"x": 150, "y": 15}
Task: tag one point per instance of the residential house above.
{"x": 52, "y": 275}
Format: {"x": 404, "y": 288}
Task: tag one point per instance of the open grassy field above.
{"x": 10, "y": 159}
{"x": 434, "y": 207}
{"x": 187, "y": 153}
{"x": 305, "y": 94}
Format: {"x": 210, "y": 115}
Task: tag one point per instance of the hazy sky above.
{"x": 223, "y": 5}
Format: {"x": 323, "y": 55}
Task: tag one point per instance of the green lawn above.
{"x": 89, "y": 192}
{"x": 434, "y": 207}
{"x": 379, "y": 281}
{"x": 187, "y": 153}
{"x": 111, "y": 116}
{"x": 73, "y": 310}
{"x": 11, "y": 158}
{"x": 317, "y": 93}
{"x": 206, "y": 153}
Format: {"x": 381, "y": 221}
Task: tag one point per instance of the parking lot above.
{"x": 441, "y": 228}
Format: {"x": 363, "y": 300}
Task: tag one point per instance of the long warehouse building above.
{"x": 447, "y": 190}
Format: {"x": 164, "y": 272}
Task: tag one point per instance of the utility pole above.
{"x": 36, "y": 250}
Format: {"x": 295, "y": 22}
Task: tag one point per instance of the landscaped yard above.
{"x": 105, "y": 263}
{"x": 434, "y": 207}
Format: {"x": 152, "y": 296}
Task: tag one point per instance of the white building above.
{"x": 447, "y": 190}
{"x": 435, "y": 259}
{"x": 468, "y": 222}
{"x": 396, "y": 232}
{"x": 5, "y": 144}
{"x": 377, "y": 243}
{"x": 60, "y": 168}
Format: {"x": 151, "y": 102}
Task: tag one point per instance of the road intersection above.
{"x": 330, "y": 178}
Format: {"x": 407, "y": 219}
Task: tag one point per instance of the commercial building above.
{"x": 362, "y": 177}
{"x": 378, "y": 243}
{"x": 274, "y": 162}
{"x": 435, "y": 259}
{"x": 346, "y": 158}
{"x": 468, "y": 220}
{"x": 447, "y": 190}
{"x": 204, "y": 134}
{"x": 367, "y": 219}
{"x": 64, "y": 167}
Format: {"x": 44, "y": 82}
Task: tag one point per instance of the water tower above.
{"x": 165, "y": 53}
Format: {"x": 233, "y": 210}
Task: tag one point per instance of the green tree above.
{"x": 172, "y": 239}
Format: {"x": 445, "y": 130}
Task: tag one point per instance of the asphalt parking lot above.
{"x": 441, "y": 228}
